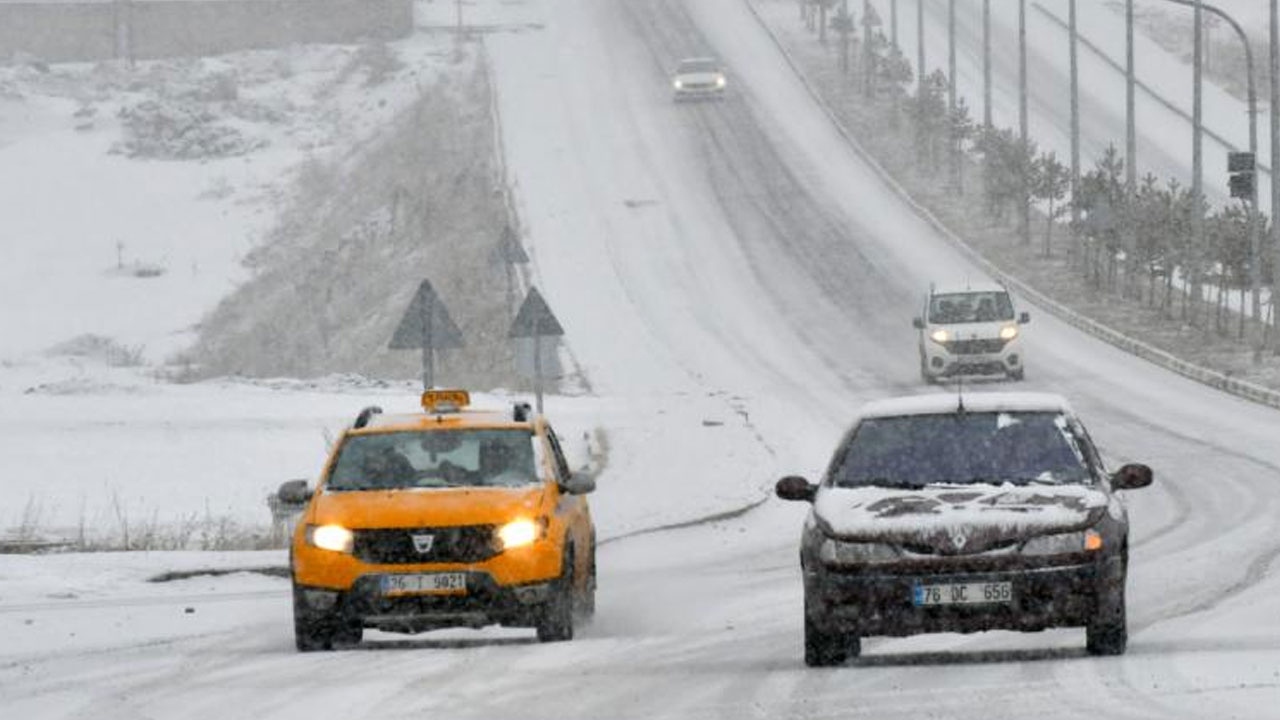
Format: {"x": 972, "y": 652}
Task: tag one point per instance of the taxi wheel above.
{"x": 313, "y": 632}
{"x": 555, "y": 619}
{"x": 587, "y": 605}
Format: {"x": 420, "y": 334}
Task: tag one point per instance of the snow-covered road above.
{"x": 741, "y": 248}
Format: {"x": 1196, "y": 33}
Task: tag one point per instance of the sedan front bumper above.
{"x": 883, "y": 604}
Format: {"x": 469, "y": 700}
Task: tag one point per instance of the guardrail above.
{"x": 1146, "y": 351}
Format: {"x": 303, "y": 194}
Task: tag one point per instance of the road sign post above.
{"x": 426, "y": 325}
{"x": 535, "y": 320}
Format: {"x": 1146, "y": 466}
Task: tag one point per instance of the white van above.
{"x": 970, "y": 329}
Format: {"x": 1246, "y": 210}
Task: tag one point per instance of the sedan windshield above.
{"x": 435, "y": 458}
{"x": 962, "y": 448}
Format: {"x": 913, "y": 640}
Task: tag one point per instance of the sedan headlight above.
{"x": 519, "y": 533}
{"x": 839, "y": 552}
{"x": 330, "y": 537}
{"x": 677, "y": 84}
{"x": 940, "y": 336}
{"x": 1063, "y": 543}
{"x": 1008, "y": 332}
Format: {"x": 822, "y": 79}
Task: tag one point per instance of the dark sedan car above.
{"x": 942, "y": 513}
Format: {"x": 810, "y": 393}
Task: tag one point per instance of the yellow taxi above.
{"x": 452, "y": 517}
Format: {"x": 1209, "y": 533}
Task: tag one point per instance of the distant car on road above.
{"x": 447, "y": 518}
{"x": 943, "y": 513}
{"x": 970, "y": 329}
{"x": 699, "y": 78}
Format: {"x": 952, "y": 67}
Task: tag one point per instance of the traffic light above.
{"x": 1241, "y": 167}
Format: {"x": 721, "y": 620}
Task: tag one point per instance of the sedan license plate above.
{"x": 428, "y": 583}
{"x": 963, "y": 593}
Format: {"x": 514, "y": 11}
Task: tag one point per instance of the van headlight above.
{"x": 1063, "y": 543}
{"x": 940, "y": 336}
{"x": 677, "y": 84}
{"x": 839, "y": 552}
{"x": 720, "y": 81}
{"x": 519, "y": 533}
{"x": 331, "y": 537}
{"x": 1008, "y": 332}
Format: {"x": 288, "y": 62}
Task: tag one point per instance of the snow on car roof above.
{"x": 940, "y": 403}
{"x": 448, "y": 421}
{"x": 965, "y": 287}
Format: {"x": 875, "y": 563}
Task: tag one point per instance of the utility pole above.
{"x": 986, "y": 64}
{"x": 1024, "y": 219}
{"x": 1075, "y": 124}
{"x": 1197, "y": 164}
{"x": 1131, "y": 131}
{"x": 920, "y": 71}
{"x": 953, "y": 141}
{"x": 893, "y": 22}
{"x": 1275, "y": 166}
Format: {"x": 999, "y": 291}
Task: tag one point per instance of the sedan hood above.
{"x": 426, "y": 507}
{"x": 956, "y": 518}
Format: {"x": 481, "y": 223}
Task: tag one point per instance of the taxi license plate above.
{"x": 428, "y": 583}
{"x": 978, "y": 593}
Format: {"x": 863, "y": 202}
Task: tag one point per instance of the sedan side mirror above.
{"x": 1132, "y": 477}
{"x": 917, "y": 323}
{"x": 294, "y": 492}
{"x": 794, "y": 487}
{"x": 579, "y": 484}
{"x": 1024, "y": 318}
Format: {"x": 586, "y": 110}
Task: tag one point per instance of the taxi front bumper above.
{"x": 485, "y": 602}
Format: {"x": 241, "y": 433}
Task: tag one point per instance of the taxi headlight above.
{"x": 330, "y": 537}
{"x": 1063, "y": 543}
{"x": 1008, "y": 332}
{"x": 519, "y": 533}
{"x": 940, "y": 336}
{"x": 839, "y": 552}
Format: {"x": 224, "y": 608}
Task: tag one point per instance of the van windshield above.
{"x": 435, "y": 458}
{"x": 970, "y": 307}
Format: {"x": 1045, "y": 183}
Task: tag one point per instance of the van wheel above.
{"x": 555, "y": 619}
{"x": 1017, "y": 375}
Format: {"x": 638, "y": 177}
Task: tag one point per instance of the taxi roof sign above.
{"x": 442, "y": 401}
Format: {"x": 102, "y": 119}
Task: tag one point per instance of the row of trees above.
{"x": 1134, "y": 241}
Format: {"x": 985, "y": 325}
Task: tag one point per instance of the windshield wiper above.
{"x": 896, "y": 483}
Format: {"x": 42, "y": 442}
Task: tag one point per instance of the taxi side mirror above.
{"x": 1132, "y": 477}
{"x": 794, "y": 487}
{"x": 579, "y": 484}
{"x": 1024, "y": 318}
{"x": 917, "y": 323}
{"x": 294, "y": 492}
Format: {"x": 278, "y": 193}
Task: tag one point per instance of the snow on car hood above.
{"x": 988, "y": 514}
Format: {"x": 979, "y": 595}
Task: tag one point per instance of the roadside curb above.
{"x": 1162, "y": 358}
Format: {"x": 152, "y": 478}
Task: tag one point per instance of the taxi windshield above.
{"x": 435, "y": 459}
{"x": 970, "y": 307}
{"x": 963, "y": 448}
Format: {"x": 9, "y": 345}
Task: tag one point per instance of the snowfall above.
{"x": 734, "y": 278}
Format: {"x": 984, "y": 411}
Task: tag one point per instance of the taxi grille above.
{"x": 985, "y": 346}
{"x": 396, "y": 546}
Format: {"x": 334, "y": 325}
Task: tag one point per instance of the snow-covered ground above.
{"x": 735, "y": 281}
